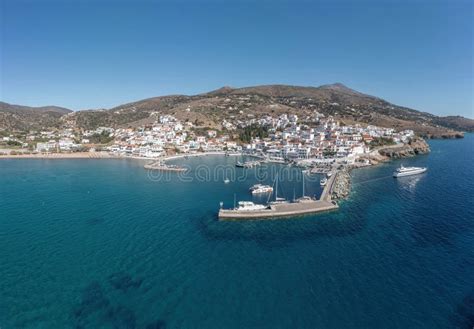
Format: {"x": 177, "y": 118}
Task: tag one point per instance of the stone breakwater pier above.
{"x": 302, "y": 206}
{"x": 159, "y": 165}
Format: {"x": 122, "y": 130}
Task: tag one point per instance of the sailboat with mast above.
{"x": 277, "y": 200}
{"x": 304, "y": 198}
{"x": 280, "y": 207}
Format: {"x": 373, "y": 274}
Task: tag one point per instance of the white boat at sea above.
{"x": 323, "y": 181}
{"x": 408, "y": 171}
{"x": 226, "y": 181}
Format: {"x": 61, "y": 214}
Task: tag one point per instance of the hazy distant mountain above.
{"x": 209, "y": 109}
{"x": 455, "y": 122}
{"x": 18, "y": 117}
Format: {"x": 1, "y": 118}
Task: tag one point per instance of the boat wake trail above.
{"x": 372, "y": 180}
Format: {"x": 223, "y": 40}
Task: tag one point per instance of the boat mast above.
{"x": 303, "y": 184}
{"x": 276, "y": 188}
{"x": 234, "y": 200}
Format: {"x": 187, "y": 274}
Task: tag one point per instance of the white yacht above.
{"x": 323, "y": 181}
{"x": 408, "y": 171}
{"x": 226, "y": 181}
{"x": 254, "y": 187}
{"x": 249, "y": 206}
{"x": 262, "y": 189}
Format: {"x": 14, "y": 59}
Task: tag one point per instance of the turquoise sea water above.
{"x": 102, "y": 244}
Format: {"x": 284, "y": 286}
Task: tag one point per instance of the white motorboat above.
{"x": 323, "y": 181}
{"x": 249, "y": 206}
{"x": 262, "y": 189}
{"x": 408, "y": 171}
{"x": 254, "y": 187}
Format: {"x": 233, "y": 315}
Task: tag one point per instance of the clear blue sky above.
{"x": 98, "y": 54}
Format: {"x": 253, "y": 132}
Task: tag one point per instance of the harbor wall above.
{"x": 342, "y": 185}
{"x": 295, "y": 210}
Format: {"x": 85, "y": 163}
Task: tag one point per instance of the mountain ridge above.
{"x": 211, "y": 108}
{"x": 47, "y": 108}
{"x": 19, "y": 117}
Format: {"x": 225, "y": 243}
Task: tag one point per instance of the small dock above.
{"x": 159, "y": 165}
{"x": 301, "y": 207}
{"x": 319, "y": 170}
{"x": 247, "y": 164}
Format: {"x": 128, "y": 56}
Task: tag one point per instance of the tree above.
{"x": 382, "y": 141}
{"x": 102, "y": 138}
{"x": 253, "y": 131}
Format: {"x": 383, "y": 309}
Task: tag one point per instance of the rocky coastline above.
{"x": 443, "y": 135}
{"x": 412, "y": 148}
{"x": 342, "y": 185}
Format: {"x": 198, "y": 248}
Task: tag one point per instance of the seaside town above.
{"x": 318, "y": 144}
{"x": 278, "y": 139}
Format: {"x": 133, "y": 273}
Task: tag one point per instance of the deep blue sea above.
{"x": 105, "y": 244}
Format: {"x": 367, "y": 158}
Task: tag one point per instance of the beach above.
{"x": 75, "y": 155}
{"x": 105, "y": 155}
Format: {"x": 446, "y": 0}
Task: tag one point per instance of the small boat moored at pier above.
{"x": 281, "y": 207}
{"x": 249, "y": 206}
{"x": 261, "y": 189}
{"x": 254, "y": 187}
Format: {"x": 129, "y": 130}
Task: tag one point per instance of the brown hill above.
{"x": 455, "y": 122}
{"x": 239, "y": 104}
{"x": 25, "y": 118}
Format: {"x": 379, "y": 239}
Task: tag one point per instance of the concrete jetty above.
{"x": 159, "y": 165}
{"x": 300, "y": 207}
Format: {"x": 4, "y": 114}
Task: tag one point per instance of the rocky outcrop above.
{"x": 412, "y": 148}
{"x": 342, "y": 185}
{"x": 443, "y": 135}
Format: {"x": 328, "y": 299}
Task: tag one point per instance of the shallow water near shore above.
{"x": 103, "y": 244}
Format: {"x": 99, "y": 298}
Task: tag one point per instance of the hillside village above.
{"x": 284, "y": 137}
{"x": 226, "y": 110}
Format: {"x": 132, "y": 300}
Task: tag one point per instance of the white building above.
{"x": 47, "y": 147}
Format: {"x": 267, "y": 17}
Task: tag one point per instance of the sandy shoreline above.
{"x": 180, "y": 156}
{"x": 104, "y": 155}
{"x": 75, "y": 155}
